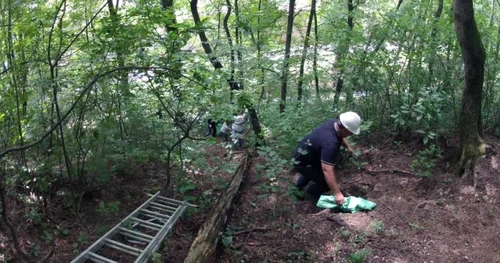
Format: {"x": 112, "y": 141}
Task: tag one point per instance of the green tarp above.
{"x": 352, "y": 204}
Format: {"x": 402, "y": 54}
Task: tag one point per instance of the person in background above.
{"x": 225, "y": 130}
{"x": 211, "y": 128}
{"x": 316, "y": 155}
{"x": 239, "y": 128}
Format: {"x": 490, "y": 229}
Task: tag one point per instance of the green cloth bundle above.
{"x": 352, "y": 204}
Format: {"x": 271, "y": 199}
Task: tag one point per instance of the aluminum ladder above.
{"x": 138, "y": 235}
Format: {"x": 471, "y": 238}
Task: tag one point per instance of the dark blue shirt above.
{"x": 322, "y": 145}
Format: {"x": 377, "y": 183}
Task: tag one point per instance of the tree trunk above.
{"x": 16, "y": 75}
{"x": 204, "y": 247}
{"x": 217, "y": 65}
{"x": 174, "y": 39}
{"x": 315, "y": 58}
{"x": 232, "y": 81}
{"x": 203, "y": 37}
{"x": 400, "y": 2}
{"x": 17, "y": 246}
{"x": 286, "y": 60}
{"x": 239, "y": 45}
{"x": 304, "y": 50}
{"x": 259, "y": 52}
{"x": 437, "y": 15}
{"x": 53, "y": 69}
{"x": 340, "y": 82}
{"x": 471, "y": 143}
{"x": 171, "y": 25}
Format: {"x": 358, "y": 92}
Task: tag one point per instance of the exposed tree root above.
{"x": 400, "y": 172}
{"x": 251, "y": 230}
{"x": 47, "y": 257}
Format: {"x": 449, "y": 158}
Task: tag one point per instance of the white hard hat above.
{"x": 351, "y": 121}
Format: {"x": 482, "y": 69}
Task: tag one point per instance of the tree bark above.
{"x": 470, "y": 128}
{"x": 286, "y": 60}
{"x": 204, "y": 247}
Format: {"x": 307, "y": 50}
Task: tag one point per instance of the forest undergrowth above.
{"x": 424, "y": 212}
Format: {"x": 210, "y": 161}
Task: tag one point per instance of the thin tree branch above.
{"x": 77, "y": 35}
{"x": 49, "y": 55}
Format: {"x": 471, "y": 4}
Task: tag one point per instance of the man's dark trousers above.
{"x": 315, "y": 174}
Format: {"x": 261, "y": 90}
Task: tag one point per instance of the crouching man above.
{"x": 315, "y": 156}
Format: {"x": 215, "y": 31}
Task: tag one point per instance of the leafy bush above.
{"x": 184, "y": 188}
{"x": 425, "y": 161}
{"x": 377, "y": 226}
{"x": 421, "y": 112}
{"x": 110, "y": 208}
{"x": 284, "y": 132}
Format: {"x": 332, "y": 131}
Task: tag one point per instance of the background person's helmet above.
{"x": 351, "y": 121}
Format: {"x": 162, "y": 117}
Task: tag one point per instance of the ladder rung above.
{"x": 162, "y": 207}
{"x": 168, "y": 199}
{"x": 141, "y": 240}
{"x": 173, "y": 201}
{"x": 166, "y": 202}
{"x": 136, "y": 237}
{"x": 122, "y": 247}
{"x": 99, "y": 259}
{"x": 147, "y": 224}
{"x": 152, "y": 218}
{"x": 166, "y": 207}
{"x": 150, "y": 227}
{"x": 155, "y": 213}
{"x": 135, "y": 233}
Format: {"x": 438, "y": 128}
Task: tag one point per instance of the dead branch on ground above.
{"x": 394, "y": 171}
{"x": 251, "y": 230}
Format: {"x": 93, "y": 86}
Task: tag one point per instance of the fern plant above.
{"x": 359, "y": 256}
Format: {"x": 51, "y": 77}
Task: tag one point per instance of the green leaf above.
{"x": 227, "y": 240}
{"x": 188, "y": 187}
{"x": 260, "y": 166}
{"x": 188, "y": 198}
{"x": 66, "y": 232}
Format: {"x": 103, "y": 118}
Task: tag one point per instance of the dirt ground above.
{"x": 435, "y": 219}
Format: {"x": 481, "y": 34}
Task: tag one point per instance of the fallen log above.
{"x": 204, "y": 247}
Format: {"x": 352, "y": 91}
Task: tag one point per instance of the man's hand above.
{"x": 339, "y": 198}
{"x": 351, "y": 151}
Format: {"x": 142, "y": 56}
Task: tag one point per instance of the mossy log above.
{"x": 204, "y": 247}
